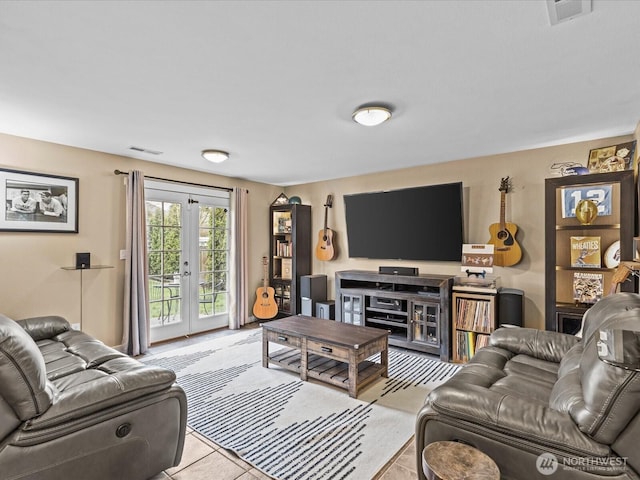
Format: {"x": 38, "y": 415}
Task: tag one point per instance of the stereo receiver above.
{"x": 386, "y": 303}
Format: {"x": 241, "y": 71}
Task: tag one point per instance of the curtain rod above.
{"x": 228, "y": 189}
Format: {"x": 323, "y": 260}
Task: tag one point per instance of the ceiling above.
{"x": 275, "y": 82}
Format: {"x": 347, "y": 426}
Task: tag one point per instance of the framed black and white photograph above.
{"x": 37, "y": 202}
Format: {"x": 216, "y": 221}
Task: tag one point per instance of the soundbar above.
{"x": 409, "y": 271}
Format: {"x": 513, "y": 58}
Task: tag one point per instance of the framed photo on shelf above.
{"x": 38, "y": 202}
{"x": 612, "y": 158}
{"x": 587, "y": 287}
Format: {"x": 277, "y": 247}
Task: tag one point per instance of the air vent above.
{"x": 145, "y": 150}
{"x": 563, "y": 10}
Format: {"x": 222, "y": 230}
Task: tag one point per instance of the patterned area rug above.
{"x": 290, "y": 429}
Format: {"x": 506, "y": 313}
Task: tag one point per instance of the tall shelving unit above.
{"x": 290, "y": 254}
{"x": 615, "y": 196}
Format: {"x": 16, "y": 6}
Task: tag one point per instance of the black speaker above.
{"x": 511, "y": 307}
{"x": 313, "y": 287}
{"x": 409, "y": 271}
{"x": 83, "y": 260}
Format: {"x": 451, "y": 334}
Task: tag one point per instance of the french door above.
{"x": 188, "y": 268}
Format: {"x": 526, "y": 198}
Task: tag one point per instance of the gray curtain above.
{"x": 239, "y": 295}
{"x": 135, "y": 329}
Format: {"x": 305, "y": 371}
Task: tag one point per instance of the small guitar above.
{"x": 265, "y": 306}
{"x": 506, "y": 251}
{"x": 324, "y": 248}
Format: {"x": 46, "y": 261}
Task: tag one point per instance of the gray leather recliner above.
{"x": 535, "y": 392}
{"x": 73, "y": 408}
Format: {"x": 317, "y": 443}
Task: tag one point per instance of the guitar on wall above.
{"x": 324, "y": 248}
{"x": 265, "y": 306}
{"x": 506, "y": 251}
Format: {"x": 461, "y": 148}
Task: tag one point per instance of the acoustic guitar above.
{"x": 506, "y": 250}
{"x": 265, "y": 306}
{"x": 324, "y": 248}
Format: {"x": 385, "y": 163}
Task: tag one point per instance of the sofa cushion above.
{"x": 23, "y": 379}
{"x": 532, "y": 367}
{"x": 40, "y": 328}
{"x": 540, "y": 344}
{"x": 606, "y": 308}
{"x": 567, "y": 391}
{"x": 8, "y": 419}
{"x": 611, "y": 395}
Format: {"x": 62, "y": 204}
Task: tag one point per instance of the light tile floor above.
{"x": 202, "y": 459}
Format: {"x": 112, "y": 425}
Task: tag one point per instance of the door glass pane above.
{"x": 356, "y": 304}
{"x": 213, "y": 265}
{"x": 164, "y": 247}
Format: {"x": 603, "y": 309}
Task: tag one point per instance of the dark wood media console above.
{"x": 415, "y": 309}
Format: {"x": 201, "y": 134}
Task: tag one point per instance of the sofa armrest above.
{"x": 111, "y": 390}
{"x": 542, "y": 344}
{"x": 508, "y": 416}
{"x": 40, "y": 328}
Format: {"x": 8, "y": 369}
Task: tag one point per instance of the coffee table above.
{"x": 330, "y": 351}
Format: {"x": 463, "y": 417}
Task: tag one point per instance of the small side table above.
{"x": 92, "y": 267}
{"x": 457, "y": 461}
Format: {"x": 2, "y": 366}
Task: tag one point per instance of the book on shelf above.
{"x": 283, "y": 248}
{"x": 469, "y": 343}
{"x": 462, "y": 352}
{"x": 481, "y": 341}
{"x": 473, "y": 315}
{"x": 587, "y": 287}
{"x": 585, "y": 252}
{"x": 286, "y": 268}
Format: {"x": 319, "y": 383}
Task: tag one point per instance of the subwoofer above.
{"x": 511, "y": 307}
{"x": 326, "y": 309}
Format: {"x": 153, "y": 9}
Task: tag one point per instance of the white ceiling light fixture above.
{"x": 215, "y": 156}
{"x": 371, "y": 116}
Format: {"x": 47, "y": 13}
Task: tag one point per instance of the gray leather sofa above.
{"x": 535, "y": 392}
{"x": 73, "y": 408}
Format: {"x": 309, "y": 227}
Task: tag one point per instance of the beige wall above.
{"x": 481, "y": 179}
{"x": 33, "y": 282}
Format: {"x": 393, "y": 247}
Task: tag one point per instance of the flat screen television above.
{"x": 418, "y": 223}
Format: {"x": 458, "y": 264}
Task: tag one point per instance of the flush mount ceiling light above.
{"x": 371, "y": 116}
{"x": 215, "y": 156}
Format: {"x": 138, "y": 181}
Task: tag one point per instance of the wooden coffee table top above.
{"x": 319, "y": 329}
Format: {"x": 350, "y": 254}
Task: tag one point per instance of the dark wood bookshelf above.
{"x": 562, "y": 312}
{"x": 290, "y": 254}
